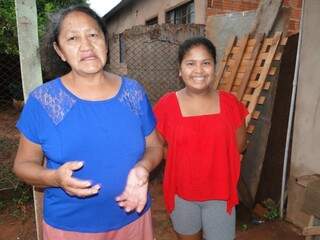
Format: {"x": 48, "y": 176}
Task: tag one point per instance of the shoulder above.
{"x": 54, "y": 99}
{"x": 228, "y": 98}
{"x": 132, "y": 84}
{"x": 166, "y": 98}
{"x": 49, "y": 87}
{"x": 165, "y": 103}
{"x": 227, "y": 95}
{"x": 131, "y": 91}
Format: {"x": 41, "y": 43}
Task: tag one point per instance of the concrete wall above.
{"x": 216, "y": 7}
{"x": 220, "y": 28}
{"x": 306, "y": 136}
{"x": 138, "y": 12}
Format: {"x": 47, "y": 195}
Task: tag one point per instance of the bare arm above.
{"x": 28, "y": 166}
{"x": 153, "y": 153}
{"x": 164, "y": 146}
{"x": 241, "y": 136}
{"x": 134, "y": 196}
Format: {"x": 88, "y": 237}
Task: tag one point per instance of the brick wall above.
{"x": 227, "y": 6}
{"x": 294, "y": 22}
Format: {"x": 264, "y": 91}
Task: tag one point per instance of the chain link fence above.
{"x": 149, "y": 54}
{"x": 11, "y": 98}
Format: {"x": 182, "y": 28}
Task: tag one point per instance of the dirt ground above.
{"x": 23, "y": 227}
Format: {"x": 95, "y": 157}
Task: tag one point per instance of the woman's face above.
{"x": 82, "y": 43}
{"x": 197, "y": 69}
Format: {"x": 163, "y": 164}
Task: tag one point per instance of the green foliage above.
{"x": 8, "y": 28}
{"x": 243, "y": 227}
{"x": 273, "y": 211}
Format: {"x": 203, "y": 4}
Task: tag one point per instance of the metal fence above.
{"x": 149, "y": 54}
{"x": 11, "y": 97}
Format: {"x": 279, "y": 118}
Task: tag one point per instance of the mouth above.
{"x": 88, "y": 57}
{"x": 198, "y": 79}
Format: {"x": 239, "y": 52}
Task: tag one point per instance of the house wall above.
{"x": 305, "y": 158}
{"x": 216, "y": 7}
{"x": 306, "y": 136}
{"x": 138, "y": 12}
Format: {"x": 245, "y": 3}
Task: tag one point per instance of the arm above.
{"x": 28, "y": 166}
{"x": 153, "y": 153}
{"x": 164, "y": 146}
{"x": 241, "y": 136}
{"x": 134, "y": 196}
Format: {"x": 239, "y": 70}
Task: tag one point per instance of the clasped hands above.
{"x": 134, "y": 196}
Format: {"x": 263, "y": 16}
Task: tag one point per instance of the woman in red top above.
{"x": 204, "y": 130}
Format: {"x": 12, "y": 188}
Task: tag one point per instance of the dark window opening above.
{"x": 181, "y": 15}
{"x": 152, "y": 21}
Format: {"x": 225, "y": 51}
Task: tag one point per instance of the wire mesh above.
{"x": 11, "y": 98}
{"x": 151, "y": 55}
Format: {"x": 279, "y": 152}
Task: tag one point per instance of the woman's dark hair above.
{"x": 53, "y": 66}
{"x": 194, "y": 42}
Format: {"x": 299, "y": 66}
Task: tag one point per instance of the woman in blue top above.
{"x": 96, "y": 131}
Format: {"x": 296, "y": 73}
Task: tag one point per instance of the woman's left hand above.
{"x": 134, "y": 196}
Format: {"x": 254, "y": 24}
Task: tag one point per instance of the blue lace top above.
{"x": 108, "y": 136}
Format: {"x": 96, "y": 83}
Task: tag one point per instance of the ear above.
{"x": 58, "y": 51}
{"x": 179, "y": 73}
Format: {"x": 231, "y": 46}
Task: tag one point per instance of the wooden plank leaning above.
{"x": 224, "y": 61}
{"x": 248, "y": 72}
{"x": 237, "y": 60}
{"x": 264, "y": 73}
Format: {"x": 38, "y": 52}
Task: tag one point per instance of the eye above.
{"x": 189, "y": 64}
{"x": 72, "y": 38}
{"x": 93, "y": 35}
{"x": 207, "y": 63}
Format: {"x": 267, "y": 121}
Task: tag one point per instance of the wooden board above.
{"x": 249, "y": 69}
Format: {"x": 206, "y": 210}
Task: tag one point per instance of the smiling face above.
{"x": 81, "y": 43}
{"x": 197, "y": 69}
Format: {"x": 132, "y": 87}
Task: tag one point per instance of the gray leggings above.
{"x": 189, "y": 217}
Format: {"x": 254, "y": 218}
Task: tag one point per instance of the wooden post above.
{"x": 26, "y": 14}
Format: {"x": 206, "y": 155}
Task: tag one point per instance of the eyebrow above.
{"x": 207, "y": 59}
{"x": 86, "y": 30}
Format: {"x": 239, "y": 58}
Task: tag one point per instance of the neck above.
{"x": 87, "y": 80}
{"x": 198, "y": 94}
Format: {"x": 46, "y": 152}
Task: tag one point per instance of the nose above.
{"x": 198, "y": 68}
{"x": 85, "y": 44}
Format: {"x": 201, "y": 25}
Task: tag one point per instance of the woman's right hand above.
{"x": 73, "y": 186}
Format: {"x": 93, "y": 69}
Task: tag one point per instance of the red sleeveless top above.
{"x": 203, "y": 162}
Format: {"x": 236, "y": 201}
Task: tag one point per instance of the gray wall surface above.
{"x": 220, "y": 28}
{"x": 305, "y": 157}
{"x": 306, "y": 135}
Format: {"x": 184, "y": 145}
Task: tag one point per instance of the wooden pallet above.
{"x": 244, "y": 69}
